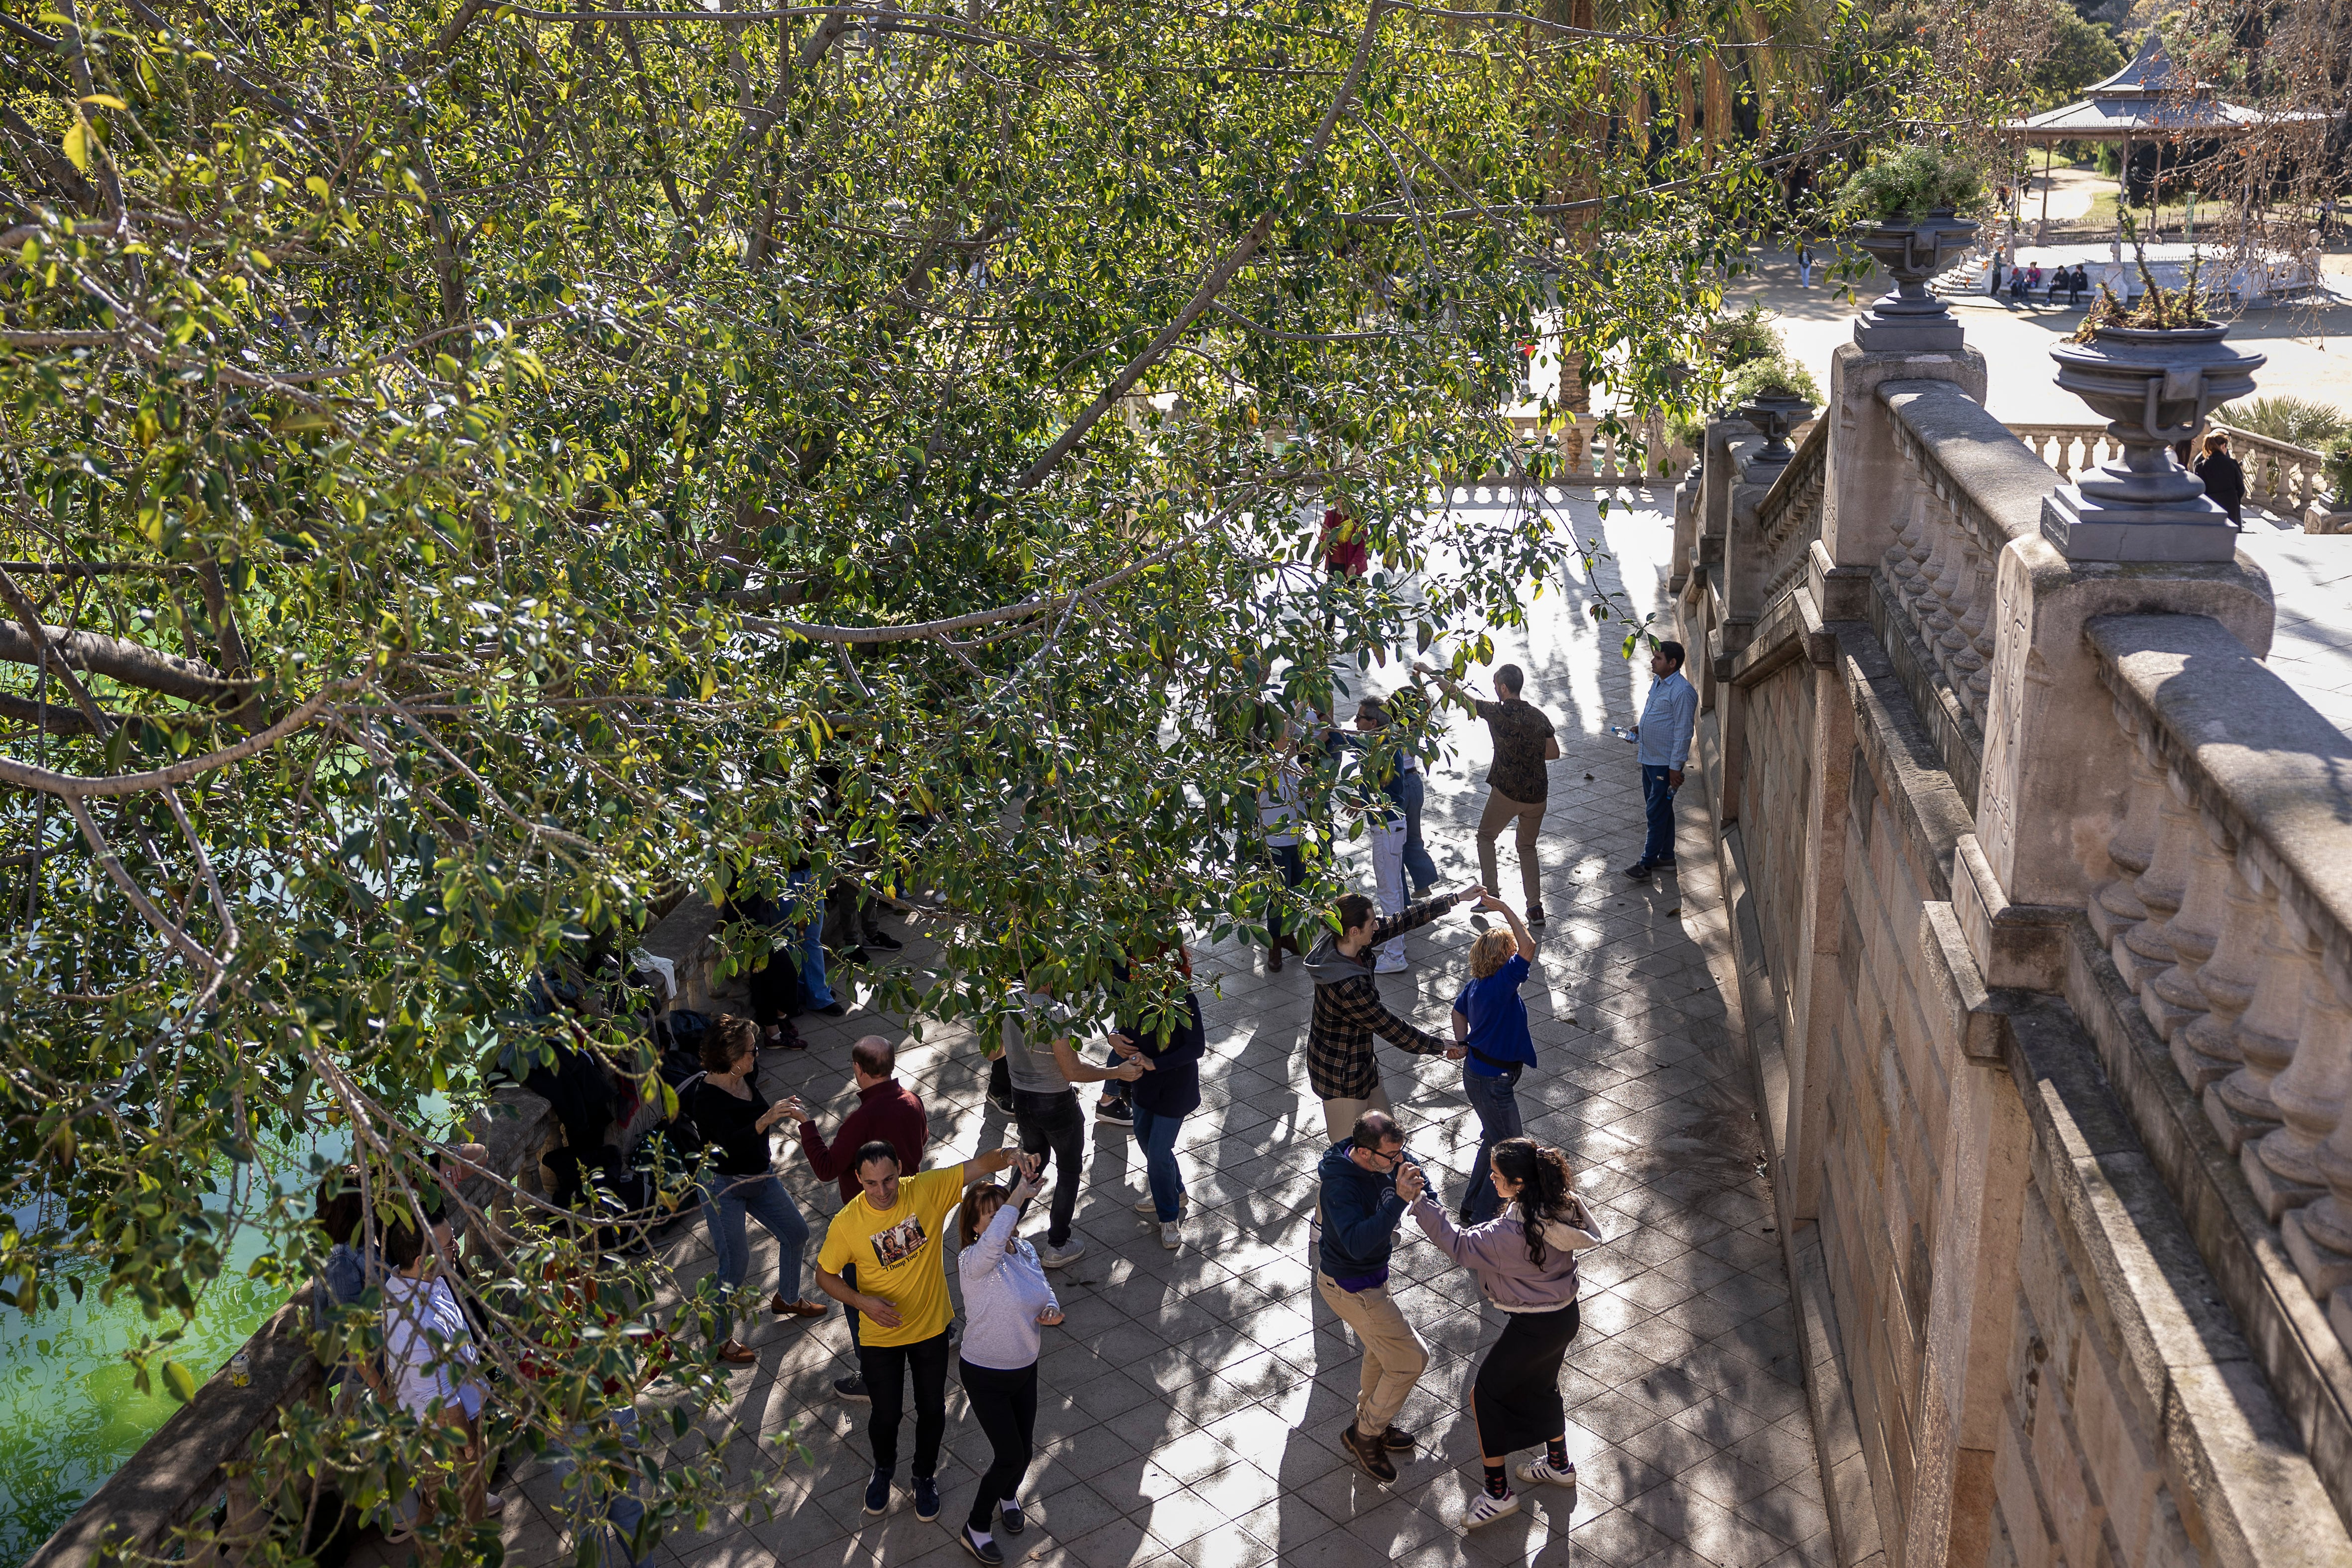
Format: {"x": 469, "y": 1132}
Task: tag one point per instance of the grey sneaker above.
{"x": 1167, "y": 1235}
{"x": 1061, "y": 1256}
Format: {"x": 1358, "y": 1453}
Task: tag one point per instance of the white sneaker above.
{"x": 1540, "y": 1473}
{"x": 1061, "y": 1256}
{"x": 1485, "y": 1509}
{"x": 1150, "y": 1204}
{"x": 1391, "y": 966}
{"x": 493, "y": 1504}
{"x": 1167, "y": 1235}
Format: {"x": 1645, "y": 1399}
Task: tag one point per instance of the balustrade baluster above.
{"x": 2320, "y": 1236}
{"x": 2133, "y": 844}
{"x": 1904, "y": 556}
{"x": 2146, "y": 949}
{"x": 2207, "y": 1050}
{"x": 1944, "y": 586}
{"x": 2172, "y": 998}
{"x": 2282, "y": 1168}
{"x": 2240, "y": 1106}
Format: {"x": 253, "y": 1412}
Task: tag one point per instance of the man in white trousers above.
{"x": 1387, "y": 828}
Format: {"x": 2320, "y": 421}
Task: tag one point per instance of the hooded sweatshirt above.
{"x": 1497, "y": 1252}
{"x": 1348, "y": 1013}
{"x": 1360, "y": 1213}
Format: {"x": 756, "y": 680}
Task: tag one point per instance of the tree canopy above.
{"x": 470, "y": 471}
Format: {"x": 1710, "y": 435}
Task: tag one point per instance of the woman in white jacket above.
{"x": 1006, "y": 1301}
{"x": 1525, "y": 1260}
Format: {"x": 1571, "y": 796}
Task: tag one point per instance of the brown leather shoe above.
{"x": 735, "y": 1354}
{"x": 1368, "y": 1453}
{"x": 801, "y": 1308}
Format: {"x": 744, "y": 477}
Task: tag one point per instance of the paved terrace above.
{"x": 1190, "y": 1408}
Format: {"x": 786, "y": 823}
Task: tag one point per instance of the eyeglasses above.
{"x": 1382, "y": 1154}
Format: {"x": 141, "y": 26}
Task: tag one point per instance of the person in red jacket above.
{"x": 887, "y": 1112}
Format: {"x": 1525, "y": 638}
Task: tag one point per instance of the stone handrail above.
{"x": 2288, "y": 480}
{"x": 1788, "y": 518}
{"x": 1976, "y": 487}
{"x": 179, "y": 1474}
{"x": 2225, "y": 901}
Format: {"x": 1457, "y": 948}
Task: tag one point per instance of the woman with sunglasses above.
{"x": 1524, "y": 1261}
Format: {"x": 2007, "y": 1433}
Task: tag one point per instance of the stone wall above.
{"x": 2051, "y": 1322}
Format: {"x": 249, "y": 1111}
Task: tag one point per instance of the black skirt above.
{"x": 1517, "y": 1387}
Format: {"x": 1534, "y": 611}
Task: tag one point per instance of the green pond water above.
{"x": 70, "y": 1414}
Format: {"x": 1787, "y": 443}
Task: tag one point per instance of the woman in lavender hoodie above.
{"x": 1525, "y": 1260}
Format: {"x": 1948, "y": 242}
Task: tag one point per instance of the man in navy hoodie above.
{"x": 1359, "y": 1209}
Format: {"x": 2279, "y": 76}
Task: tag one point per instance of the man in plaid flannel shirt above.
{"x": 1348, "y": 1012}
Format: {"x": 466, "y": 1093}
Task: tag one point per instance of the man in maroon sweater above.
{"x": 887, "y": 1112}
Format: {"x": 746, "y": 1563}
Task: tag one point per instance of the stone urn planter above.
{"x": 1908, "y": 318}
{"x": 1774, "y": 415}
{"x": 2154, "y": 386}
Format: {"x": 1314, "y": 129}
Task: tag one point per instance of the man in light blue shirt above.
{"x": 1664, "y": 737}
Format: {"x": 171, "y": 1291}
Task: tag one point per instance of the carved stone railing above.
{"x": 2286, "y": 478}
{"x": 1788, "y": 518}
{"x": 2224, "y": 897}
{"x": 1974, "y": 487}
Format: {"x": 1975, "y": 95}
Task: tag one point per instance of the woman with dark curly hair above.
{"x": 1525, "y": 1260}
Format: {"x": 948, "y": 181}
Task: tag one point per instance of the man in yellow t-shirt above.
{"x": 892, "y": 1232}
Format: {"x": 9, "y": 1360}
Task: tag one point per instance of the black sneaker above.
{"x": 1003, "y": 1102}
{"x": 987, "y": 1551}
{"x": 853, "y": 1389}
{"x": 883, "y": 939}
{"x": 1108, "y": 1108}
{"x": 1011, "y": 1519}
{"x": 1640, "y": 870}
{"x": 1535, "y": 916}
{"x": 878, "y": 1495}
{"x": 834, "y": 1009}
{"x": 927, "y": 1498}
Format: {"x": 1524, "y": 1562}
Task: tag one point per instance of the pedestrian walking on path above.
{"x": 1385, "y": 825}
{"x": 1359, "y": 1207}
{"x": 430, "y": 1362}
{"x": 892, "y": 1234}
{"x": 1165, "y": 1095}
{"x": 1490, "y": 1021}
{"x": 1277, "y": 814}
{"x": 1006, "y": 1301}
{"x": 887, "y": 1112}
{"x": 1411, "y": 711}
{"x": 1517, "y": 782}
{"x": 2225, "y": 480}
{"x": 1044, "y": 1066}
{"x": 1664, "y": 741}
{"x": 1524, "y": 1261}
{"x": 1804, "y": 266}
{"x": 733, "y": 1118}
{"x": 1348, "y": 1012}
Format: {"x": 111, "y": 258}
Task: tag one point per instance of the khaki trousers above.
{"x": 1394, "y": 1357}
{"x": 1501, "y": 808}
{"x": 1340, "y": 1115}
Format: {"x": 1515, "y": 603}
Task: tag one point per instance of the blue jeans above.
{"x": 1155, "y": 1135}
{"x": 810, "y": 937}
{"x": 726, "y": 1200}
{"x": 1417, "y": 862}
{"x": 1658, "y": 803}
{"x": 1498, "y": 1118}
{"x": 621, "y": 1511}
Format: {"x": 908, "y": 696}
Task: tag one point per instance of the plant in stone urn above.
{"x": 2154, "y": 366}
{"x": 1775, "y": 396}
{"x": 1906, "y": 206}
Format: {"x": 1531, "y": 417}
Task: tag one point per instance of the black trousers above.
{"x": 1052, "y": 1124}
{"x": 886, "y": 1368}
{"x": 1005, "y": 1405}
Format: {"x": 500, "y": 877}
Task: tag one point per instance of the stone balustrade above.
{"x": 2043, "y": 894}
{"x": 2226, "y": 905}
{"x": 1788, "y": 518}
{"x": 2286, "y": 478}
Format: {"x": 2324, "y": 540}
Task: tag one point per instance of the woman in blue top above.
{"x": 1490, "y": 1019}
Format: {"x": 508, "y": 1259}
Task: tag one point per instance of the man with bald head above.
{"x": 887, "y": 1112}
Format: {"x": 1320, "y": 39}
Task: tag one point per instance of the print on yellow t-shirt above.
{"x": 898, "y": 1255}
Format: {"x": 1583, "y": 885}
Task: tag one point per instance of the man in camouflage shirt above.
{"x": 1348, "y": 1011}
